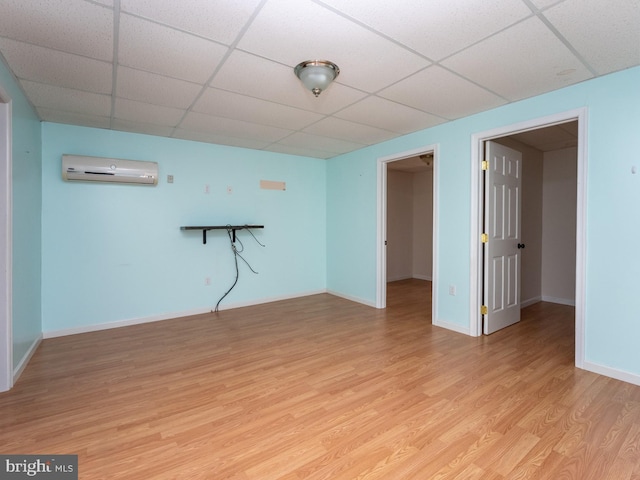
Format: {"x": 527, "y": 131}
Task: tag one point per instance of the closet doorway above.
{"x": 407, "y": 196}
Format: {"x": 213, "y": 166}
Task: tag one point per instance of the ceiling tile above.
{"x": 232, "y": 105}
{"x": 550, "y": 138}
{"x": 607, "y": 38}
{"x": 320, "y": 143}
{"x": 442, "y": 93}
{"x": 520, "y": 62}
{"x": 299, "y": 30}
{"x": 350, "y": 131}
{"x": 258, "y": 77}
{"x": 43, "y": 65}
{"x": 220, "y": 139}
{"x": 151, "y": 88}
{"x": 58, "y": 116}
{"x": 155, "y": 48}
{"x": 220, "y": 20}
{"x": 73, "y": 26}
{"x": 388, "y": 115}
{"x": 140, "y": 112}
{"x": 542, "y": 4}
{"x": 234, "y": 128}
{"x": 174, "y": 58}
{"x": 411, "y": 165}
{"x": 301, "y": 151}
{"x": 436, "y": 28}
{"x": 66, "y": 99}
{"x": 145, "y": 128}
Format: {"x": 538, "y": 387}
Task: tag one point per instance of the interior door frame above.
{"x": 381, "y": 251}
{"x": 6, "y": 235}
{"x": 477, "y": 142}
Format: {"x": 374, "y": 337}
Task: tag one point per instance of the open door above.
{"x": 501, "y": 241}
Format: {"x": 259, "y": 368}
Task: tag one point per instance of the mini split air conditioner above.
{"x": 114, "y": 170}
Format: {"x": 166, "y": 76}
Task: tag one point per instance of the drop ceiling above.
{"x": 221, "y": 71}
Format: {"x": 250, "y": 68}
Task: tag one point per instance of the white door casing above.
{"x": 6, "y": 335}
{"x": 476, "y": 281}
{"x": 381, "y": 234}
{"x": 502, "y": 251}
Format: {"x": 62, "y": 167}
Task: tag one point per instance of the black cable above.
{"x": 217, "y": 309}
{"x": 236, "y": 254}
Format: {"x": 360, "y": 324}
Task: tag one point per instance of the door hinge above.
{"x": 484, "y": 310}
{"x": 484, "y": 238}
{"x": 485, "y": 165}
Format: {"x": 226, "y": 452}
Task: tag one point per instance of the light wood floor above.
{"x": 323, "y": 388}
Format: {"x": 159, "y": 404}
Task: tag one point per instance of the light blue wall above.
{"x": 26, "y": 153}
{"x": 613, "y": 213}
{"x": 114, "y": 252}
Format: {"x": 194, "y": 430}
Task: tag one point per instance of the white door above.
{"x": 502, "y": 251}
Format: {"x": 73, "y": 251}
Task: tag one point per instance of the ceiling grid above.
{"x": 221, "y": 71}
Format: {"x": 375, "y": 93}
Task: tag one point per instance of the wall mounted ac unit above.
{"x": 98, "y": 169}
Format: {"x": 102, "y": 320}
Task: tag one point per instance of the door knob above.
{"x": 521, "y": 245}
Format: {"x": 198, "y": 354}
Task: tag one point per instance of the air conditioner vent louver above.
{"x": 111, "y": 170}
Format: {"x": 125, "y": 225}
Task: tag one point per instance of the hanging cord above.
{"x": 237, "y": 254}
{"x": 254, "y": 237}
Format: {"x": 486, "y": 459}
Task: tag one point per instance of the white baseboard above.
{"x": 562, "y": 301}
{"x": 166, "y": 316}
{"x": 423, "y": 277}
{"x": 122, "y": 323}
{"x": 452, "y": 326}
{"x": 530, "y": 301}
{"x": 268, "y": 300}
{"x": 409, "y": 277}
{"x": 18, "y": 369}
{"x": 612, "y": 372}
{"x": 398, "y": 278}
{"x": 353, "y": 299}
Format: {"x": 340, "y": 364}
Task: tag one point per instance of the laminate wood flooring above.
{"x": 323, "y": 388}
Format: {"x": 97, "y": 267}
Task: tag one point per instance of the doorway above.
{"x": 477, "y": 277}
{"x": 423, "y": 163}
{"x": 543, "y": 165}
{"x": 6, "y": 336}
{"x": 410, "y": 218}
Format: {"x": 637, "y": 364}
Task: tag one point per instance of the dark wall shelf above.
{"x": 233, "y": 228}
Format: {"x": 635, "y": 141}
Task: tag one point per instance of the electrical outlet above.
{"x": 169, "y": 178}
{"x": 229, "y": 190}
{"x": 452, "y": 290}
{"x": 207, "y": 281}
{"x": 207, "y": 189}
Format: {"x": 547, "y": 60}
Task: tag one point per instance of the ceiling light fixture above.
{"x": 316, "y": 75}
{"x": 427, "y": 159}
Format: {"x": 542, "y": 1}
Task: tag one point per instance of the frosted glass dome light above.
{"x": 316, "y": 75}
